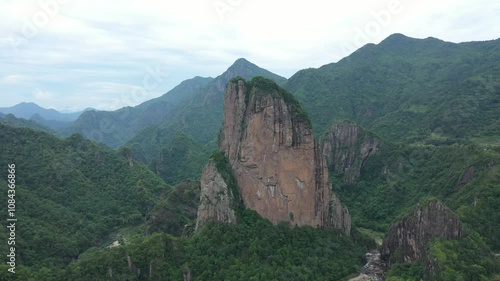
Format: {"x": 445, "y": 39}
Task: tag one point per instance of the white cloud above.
{"x": 88, "y": 52}
{"x": 41, "y": 95}
{"x": 13, "y": 79}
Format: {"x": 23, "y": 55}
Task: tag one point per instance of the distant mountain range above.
{"x": 194, "y": 106}
{"x": 27, "y": 110}
{"x": 403, "y": 89}
{"x": 12, "y": 120}
{"x": 48, "y": 117}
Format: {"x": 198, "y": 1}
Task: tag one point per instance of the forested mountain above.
{"x": 382, "y": 181}
{"x": 410, "y": 90}
{"x": 180, "y": 160}
{"x": 114, "y": 128}
{"x": 75, "y": 197}
{"x": 51, "y": 118}
{"x": 192, "y": 107}
{"x": 27, "y": 109}
{"x": 404, "y": 89}
{"x": 12, "y": 120}
{"x": 304, "y": 175}
{"x": 71, "y": 195}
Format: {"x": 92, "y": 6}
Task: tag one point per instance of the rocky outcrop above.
{"x": 407, "y": 240}
{"x": 467, "y": 176}
{"x": 278, "y": 165}
{"x": 338, "y": 215}
{"x": 347, "y": 146}
{"x": 186, "y": 275}
{"x": 215, "y": 198}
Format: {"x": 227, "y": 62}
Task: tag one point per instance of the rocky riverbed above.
{"x": 374, "y": 268}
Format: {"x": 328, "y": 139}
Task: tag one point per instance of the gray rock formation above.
{"x": 407, "y": 240}
{"x": 215, "y": 198}
{"x": 347, "y": 146}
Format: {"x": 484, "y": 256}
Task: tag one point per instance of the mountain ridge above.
{"x": 50, "y": 117}
{"x": 194, "y": 92}
{"x": 404, "y": 78}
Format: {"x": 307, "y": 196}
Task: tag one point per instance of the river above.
{"x": 373, "y": 270}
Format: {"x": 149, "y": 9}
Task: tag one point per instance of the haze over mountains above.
{"x": 389, "y": 87}
{"x": 404, "y": 89}
{"x": 49, "y": 117}
{"x": 27, "y": 110}
{"x": 182, "y": 108}
{"x": 397, "y": 82}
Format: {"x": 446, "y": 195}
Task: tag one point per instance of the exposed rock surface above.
{"x": 467, "y": 176}
{"x": 347, "y": 146}
{"x": 407, "y": 240}
{"x": 186, "y": 275}
{"x": 278, "y": 165}
{"x": 215, "y": 198}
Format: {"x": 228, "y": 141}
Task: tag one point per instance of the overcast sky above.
{"x": 74, "y": 54}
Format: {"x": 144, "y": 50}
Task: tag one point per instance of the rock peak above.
{"x": 247, "y": 70}
{"x": 277, "y": 164}
{"x": 243, "y": 64}
{"x": 242, "y": 61}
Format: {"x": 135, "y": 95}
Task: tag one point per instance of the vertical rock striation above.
{"x": 407, "y": 240}
{"x": 277, "y": 164}
{"x": 215, "y": 198}
{"x": 346, "y": 147}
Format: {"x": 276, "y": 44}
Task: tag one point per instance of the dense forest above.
{"x": 408, "y": 90}
{"x": 72, "y": 194}
{"x": 121, "y": 204}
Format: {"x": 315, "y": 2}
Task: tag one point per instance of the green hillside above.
{"x": 176, "y": 213}
{"x": 114, "y": 128}
{"x": 12, "y": 120}
{"x": 182, "y": 159}
{"x": 253, "y": 249}
{"x": 430, "y": 123}
{"x": 193, "y": 107}
{"x": 199, "y": 116}
{"x": 410, "y": 90}
{"x": 71, "y": 195}
{"x": 465, "y": 177}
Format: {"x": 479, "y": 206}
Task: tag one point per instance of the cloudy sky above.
{"x": 106, "y": 54}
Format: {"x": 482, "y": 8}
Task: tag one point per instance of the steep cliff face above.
{"x": 346, "y": 147}
{"x": 278, "y": 165}
{"x": 215, "y": 198}
{"x": 407, "y": 240}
